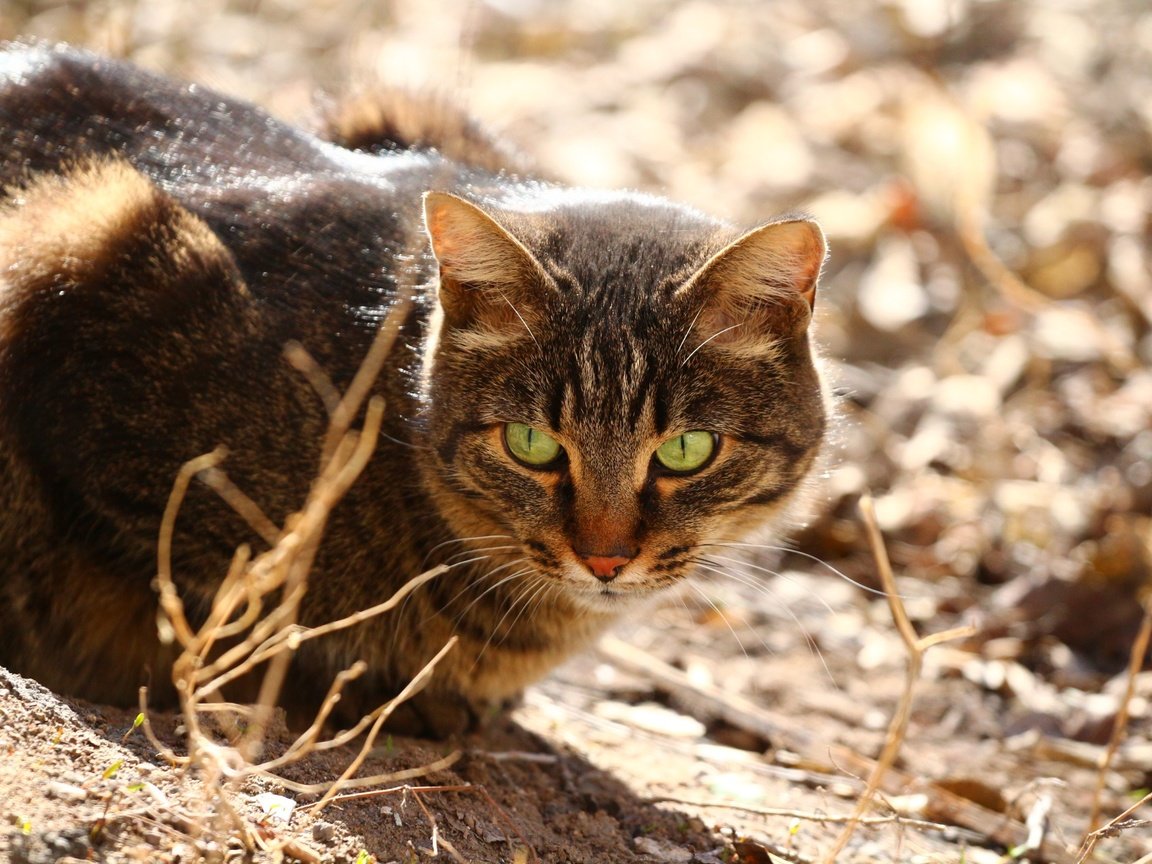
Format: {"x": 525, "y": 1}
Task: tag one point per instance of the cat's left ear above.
{"x": 762, "y": 286}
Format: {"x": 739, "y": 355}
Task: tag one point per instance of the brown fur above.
{"x": 155, "y": 258}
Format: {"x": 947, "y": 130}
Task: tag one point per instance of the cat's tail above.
{"x": 387, "y": 119}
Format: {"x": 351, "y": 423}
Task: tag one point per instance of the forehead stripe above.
{"x": 556, "y": 405}
{"x": 640, "y": 395}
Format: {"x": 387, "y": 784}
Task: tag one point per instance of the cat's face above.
{"x": 618, "y": 382}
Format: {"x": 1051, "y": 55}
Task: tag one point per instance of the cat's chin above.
{"x": 607, "y": 599}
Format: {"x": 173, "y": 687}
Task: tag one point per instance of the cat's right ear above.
{"x": 488, "y": 280}
{"x": 760, "y": 288}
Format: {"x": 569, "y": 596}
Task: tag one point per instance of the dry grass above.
{"x": 253, "y": 627}
{"x": 915, "y": 647}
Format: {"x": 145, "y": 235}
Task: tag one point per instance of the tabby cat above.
{"x": 589, "y": 389}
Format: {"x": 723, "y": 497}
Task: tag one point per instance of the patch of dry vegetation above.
{"x": 253, "y": 626}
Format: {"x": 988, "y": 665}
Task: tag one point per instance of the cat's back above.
{"x": 261, "y": 185}
{"x": 59, "y": 103}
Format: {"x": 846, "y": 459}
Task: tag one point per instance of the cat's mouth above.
{"x": 633, "y": 584}
{"x": 606, "y": 599}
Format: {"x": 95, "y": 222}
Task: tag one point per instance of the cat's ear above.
{"x": 761, "y": 287}
{"x": 488, "y": 280}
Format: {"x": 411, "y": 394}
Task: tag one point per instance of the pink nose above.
{"x": 604, "y": 567}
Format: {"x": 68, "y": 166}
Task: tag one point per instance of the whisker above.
{"x": 512, "y": 306}
{"x": 509, "y": 578}
{"x": 480, "y": 555}
{"x": 839, "y": 573}
{"x": 687, "y": 332}
{"x": 763, "y": 588}
{"x": 709, "y": 339}
{"x": 485, "y": 549}
{"x": 401, "y": 443}
{"x": 712, "y": 603}
{"x": 471, "y": 586}
{"x": 438, "y": 546}
{"x": 402, "y": 608}
{"x": 531, "y": 601}
{"x": 783, "y": 576}
{"x": 523, "y": 595}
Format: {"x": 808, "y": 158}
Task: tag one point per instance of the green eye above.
{"x": 529, "y": 445}
{"x": 688, "y": 452}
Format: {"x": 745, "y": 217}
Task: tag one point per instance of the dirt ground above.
{"x": 982, "y": 170}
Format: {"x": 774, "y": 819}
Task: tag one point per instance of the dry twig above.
{"x": 1135, "y": 663}
{"x": 950, "y": 832}
{"x": 916, "y": 646}
{"x": 731, "y": 707}
{"x": 945, "y": 807}
{"x": 270, "y": 638}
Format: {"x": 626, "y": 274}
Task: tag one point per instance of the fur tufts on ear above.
{"x": 762, "y": 287}
{"x": 489, "y": 282}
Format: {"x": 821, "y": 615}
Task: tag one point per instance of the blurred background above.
{"x": 981, "y": 168}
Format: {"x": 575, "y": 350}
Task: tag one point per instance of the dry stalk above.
{"x": 242, "y": 659}
{"x": 382, "y": 714}
{"x": 219, "y": 482}
{"x": 915, "y": 647}
{"x": 938, "y": 130}
{"x": 304, "y": 363}
{"x": 1110, "y": 829}
{"x": 364, "y": 782}
{"x": 437, "y": 840}
{"x": 265, "y": 640}
{"x": 348, "y": 406}
{"x": 1119, "y": 726}
{"x": 971, "y": 230}
{"x": 816, "y": 817}
{"x": 1135, "y": 663}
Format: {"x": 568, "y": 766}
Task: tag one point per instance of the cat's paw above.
{"x": 438, "y": 715}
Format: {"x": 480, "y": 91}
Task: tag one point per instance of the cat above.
{"x": 589, "y": 389}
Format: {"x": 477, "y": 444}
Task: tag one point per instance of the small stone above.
{"x": 323, "y": 832}
{"x": 1067, "y": 333}
{"x": 652, "y": 717}
{"x": 662, "y": 850}
{"x": 65, "y": 791}
{"x": 972, "y": 396}
{"x": 766, "y": 147}
{"x": 891, "y": 293}
{"x": 276, "y": 806}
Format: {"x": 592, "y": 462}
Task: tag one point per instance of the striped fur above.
{"x": 159, "y": 245}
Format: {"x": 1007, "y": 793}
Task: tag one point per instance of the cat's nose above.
{"x": 605, "y": 567}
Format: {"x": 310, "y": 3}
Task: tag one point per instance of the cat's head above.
{"x": 617, "y": 382}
